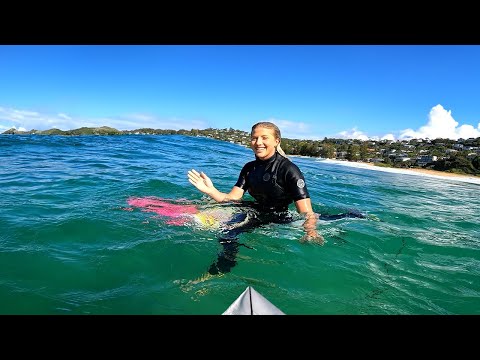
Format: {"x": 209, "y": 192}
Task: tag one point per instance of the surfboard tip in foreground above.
{"x": 251, "y": 302}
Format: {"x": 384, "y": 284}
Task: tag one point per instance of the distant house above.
{"x": 341, "y": 154}
{"x": 401, "y": 158}
{"x": 426, "y": 159}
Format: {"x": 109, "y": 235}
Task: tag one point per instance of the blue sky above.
{"x": 309, "y": 91}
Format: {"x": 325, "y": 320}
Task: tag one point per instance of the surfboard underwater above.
{"x": 251, "y": 302}
{"x": 179, "y": 213}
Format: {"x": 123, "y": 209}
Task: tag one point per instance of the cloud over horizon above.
{"x": 25, "y": 120}
{"x": 293, "y": 129}
{"x": 440, "y": 124}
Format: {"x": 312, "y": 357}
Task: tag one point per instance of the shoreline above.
{"x": 419, "y": 172}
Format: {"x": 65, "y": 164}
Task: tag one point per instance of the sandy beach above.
{"x": 421, "y": 172}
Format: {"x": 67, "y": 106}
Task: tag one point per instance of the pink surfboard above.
{"x": 177, "y": 213}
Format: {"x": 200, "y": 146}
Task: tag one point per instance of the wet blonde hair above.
{"x": 276, "y": 133}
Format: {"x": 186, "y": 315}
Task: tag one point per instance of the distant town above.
{"x": 460, "y": 156}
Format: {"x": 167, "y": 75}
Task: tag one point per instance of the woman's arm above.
{"x": 304, "y": 207}
{"x": 203, "y": 183}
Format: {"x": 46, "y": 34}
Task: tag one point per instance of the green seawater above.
{"x": 68, "y": 246}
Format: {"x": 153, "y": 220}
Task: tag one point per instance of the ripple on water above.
{"x": 69, "y": 246}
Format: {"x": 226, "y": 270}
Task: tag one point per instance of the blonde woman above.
{"x": 273, "y": 180}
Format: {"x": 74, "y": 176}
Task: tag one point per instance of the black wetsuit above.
{"x": 274, "y": 184}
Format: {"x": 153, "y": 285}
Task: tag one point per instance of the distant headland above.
{"x": 102, "y": 130}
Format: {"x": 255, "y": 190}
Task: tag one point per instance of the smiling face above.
{"x": 263, "y": 142}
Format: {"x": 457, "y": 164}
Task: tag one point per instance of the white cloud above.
{"x": 64, "y": 116}
{"x": 441, "y": 124}
{"x": 23, "y": 119}
{"x": 388, "y": 137}
{"x": 468, "y": 131}
{"x": 4, "y": 128}
{"x": 353, "y": 134}
{"x": 293, "y": 129}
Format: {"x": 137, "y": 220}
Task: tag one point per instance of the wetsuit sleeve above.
{"x": 242, "y": 178}
{"x": 295, "y": 183}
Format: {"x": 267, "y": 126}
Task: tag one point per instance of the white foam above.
{"x": 466, "y": 178}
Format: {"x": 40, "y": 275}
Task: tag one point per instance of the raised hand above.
{"x": 201, "y": 181}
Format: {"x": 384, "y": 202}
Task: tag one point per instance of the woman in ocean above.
{"x": 274, "y": 181}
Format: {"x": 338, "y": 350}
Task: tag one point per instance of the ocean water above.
{"x": 71, "y": 244}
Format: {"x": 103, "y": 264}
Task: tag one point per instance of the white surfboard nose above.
{"x": 251, "y": 302}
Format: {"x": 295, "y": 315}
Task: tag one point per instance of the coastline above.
{"x": 419, "y": 172}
